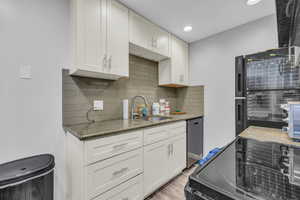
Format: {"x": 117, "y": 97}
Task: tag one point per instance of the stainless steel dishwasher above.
{"x": 194, "y": 140}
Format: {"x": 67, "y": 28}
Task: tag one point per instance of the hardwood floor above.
{"x": 173, "y": 190}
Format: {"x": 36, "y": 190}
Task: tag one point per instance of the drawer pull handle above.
{"x": 120, "y": 146}
{"x": 120, "y": 172}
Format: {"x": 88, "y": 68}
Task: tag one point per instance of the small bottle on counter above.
{"x": 168, "y": 108}
{"x": 162, "y": 103}
{"x": 155, "y": 108}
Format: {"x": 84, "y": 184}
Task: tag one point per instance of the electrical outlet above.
{"x": 25, "y": 72}
{"x": 98, "y": 105}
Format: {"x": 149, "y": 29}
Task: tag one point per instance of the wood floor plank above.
{"x": 174, "y": 190}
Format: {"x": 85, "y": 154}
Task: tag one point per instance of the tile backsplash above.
{"x": 191, "y": 99}
{"x": 79, "y": 93}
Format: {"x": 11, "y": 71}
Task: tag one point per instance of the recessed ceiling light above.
{"x": 252, "y": 2}
{"x": 188, "y": 28}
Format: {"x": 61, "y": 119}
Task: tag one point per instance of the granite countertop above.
{"x": 89, "y": 130}
{"x": 268, "y": 135}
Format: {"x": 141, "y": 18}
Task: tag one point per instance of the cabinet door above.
{"x": 155, "y": 166}
{"x": 161, "y": 41}
{"x": 179, "y": 68}
{"x": 117, "y": 39}
{"x": 177, "y": 161}
{"x": 141, "y": 31}
{"x": 89, "y": 34}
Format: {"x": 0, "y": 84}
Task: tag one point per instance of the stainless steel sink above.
{"x": 156, "y": 118}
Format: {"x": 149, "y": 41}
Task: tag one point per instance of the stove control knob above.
{"x": 284, "y": 107}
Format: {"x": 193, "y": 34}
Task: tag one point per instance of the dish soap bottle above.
{"x": 155, "y": 109}
{"x": 162, "y": 103}
{"x": 168, "y": 108}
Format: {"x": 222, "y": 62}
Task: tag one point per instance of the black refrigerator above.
{"x": 264, "y": 81}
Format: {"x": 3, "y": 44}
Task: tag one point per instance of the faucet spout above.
{"x": 133, "y": 114}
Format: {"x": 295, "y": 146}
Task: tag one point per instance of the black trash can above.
{"x": 27, "y": 179}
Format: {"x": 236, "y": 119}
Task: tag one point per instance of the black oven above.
{"x": 249, "y": 170}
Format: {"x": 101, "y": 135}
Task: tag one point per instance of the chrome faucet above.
{"x": 133, "y": 114}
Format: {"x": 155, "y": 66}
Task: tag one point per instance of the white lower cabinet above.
{"x": 164, "y": 159}
{"x": 177, "y": 158}
{"x": 155, "y": 166}
{"x": 128, "y": 166}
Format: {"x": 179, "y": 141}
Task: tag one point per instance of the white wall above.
{"x": 33, "y": 32}
{"x": 212, "y": 62}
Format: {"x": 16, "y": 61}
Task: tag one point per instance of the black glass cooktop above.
{"x": 248, "y": 169}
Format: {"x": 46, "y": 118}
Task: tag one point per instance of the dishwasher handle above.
{"x": 195, "y": 122}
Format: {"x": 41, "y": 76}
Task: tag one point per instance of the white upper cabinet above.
{"x": 179, "y": 61}
{"x": 150, "y": 41}
{"x": 161, "y": 41}
{"x": 140, "y": 31}
{"x": 174, "y": 72}
{"x": 146, "y": 39}
{"x": 89, "y": 28}
{"x": 105, "y": 32}
{"x": 118, "y": 39}
{"x": 100, "y": 39}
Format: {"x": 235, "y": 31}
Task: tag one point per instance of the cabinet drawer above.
{"x": 103, "y": 148}
{"x": 155, "y": 134}
{"x": 130, "y": 190}
{"x": 175, "y": 132}
{"x": 177, "y": 125}
{"x": 107, "y": 174}
{"x": 177, "y": 129}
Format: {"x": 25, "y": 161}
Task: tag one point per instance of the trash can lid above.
{"x": 24, "y": 169}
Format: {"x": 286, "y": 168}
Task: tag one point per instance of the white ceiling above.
{"x": 207, "y": 17}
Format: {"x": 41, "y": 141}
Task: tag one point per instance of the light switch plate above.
{"x": 25, "y": 72}
{"x": 98, "y": 105}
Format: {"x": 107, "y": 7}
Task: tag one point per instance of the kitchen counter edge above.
{"x": 102, "y": 133}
